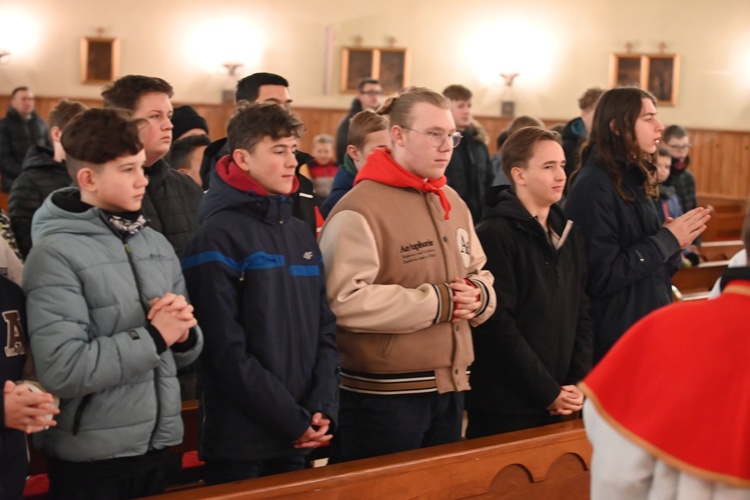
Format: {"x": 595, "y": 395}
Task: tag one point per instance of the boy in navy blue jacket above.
{"x": 21, "y": 410}
{"x": 270, "y": 364}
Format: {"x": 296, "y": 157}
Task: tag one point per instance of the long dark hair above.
{"x": 618, "y": 109}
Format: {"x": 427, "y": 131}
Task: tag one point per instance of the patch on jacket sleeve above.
{"x": 462, "y": 240}
{"x": 134, "y": 335}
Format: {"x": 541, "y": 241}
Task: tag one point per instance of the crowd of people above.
{"x": 362, "y": 296}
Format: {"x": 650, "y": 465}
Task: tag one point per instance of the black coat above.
{"x": 631, "y": 257}
{"x": 304, "y": 198}
{"x": 470, "y": 172}
{"x": 171, "y": 204}
{"x": 573, "y": 137}
{"x": 342, "y": 133}
{"x": 540, "y": 335}
{"x": 41, "y": 175}
{"x": 16, "y": 137}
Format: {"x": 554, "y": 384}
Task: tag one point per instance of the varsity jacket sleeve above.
{"x": 214, "y": 289}
{"x": 581, "y": 361}
{"x": 351, "y": 260}
{"x": 69, "y": 363}
{"x": 612, "y": 267}
{"x": 510, "y": 347}
{"x": 323, "y": 395}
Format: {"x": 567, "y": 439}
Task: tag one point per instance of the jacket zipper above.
{"x": 156, "y": 370}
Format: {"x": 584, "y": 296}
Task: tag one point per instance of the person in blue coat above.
{"x": 270, "y": 366}
{"x": 631, "y": 249}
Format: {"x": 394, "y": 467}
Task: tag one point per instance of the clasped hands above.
{"x": 465, "y": 300}
{"x": 316, "y": 434}
{"x": 173, "y": 317}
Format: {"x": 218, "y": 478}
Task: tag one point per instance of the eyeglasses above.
{"x": 438, "y": 138}
{"x": 679, "y": 147}
{"x": 372, "y": 92}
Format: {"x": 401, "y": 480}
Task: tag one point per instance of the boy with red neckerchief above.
{"x": 269, "y": 369}
{"x": 405, "y": 279}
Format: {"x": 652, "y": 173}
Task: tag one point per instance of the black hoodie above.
{"x": 540, "y": 335}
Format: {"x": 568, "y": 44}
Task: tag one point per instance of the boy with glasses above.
{"x": 677, "y": 142}
{"x": 369, "y": 93}
{"x": 405, "y": 277}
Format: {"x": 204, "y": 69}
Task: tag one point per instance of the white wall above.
{"x": 560, "y": 47}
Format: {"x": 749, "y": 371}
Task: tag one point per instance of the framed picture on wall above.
{"x": 100, "y": 59}
{"x": 662, "y": 78}
{"x": 626, "y": 69}
{"x": 657, "y": 73}
{"x": 389, "y": 65}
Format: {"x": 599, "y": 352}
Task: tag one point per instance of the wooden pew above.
{"x": 724, "y": 226}
{"x": 698, "y": 279}
{"x": 549, "y": 463}
{"x": 720, "y": 250}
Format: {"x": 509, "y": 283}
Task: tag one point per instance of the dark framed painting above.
{"x": 389, "y": 65}
{"x": 100, "y": 59}
{"x": 663, "y": 77}
{"x": 657, "y": 73}
{"x": 627, "y": 69}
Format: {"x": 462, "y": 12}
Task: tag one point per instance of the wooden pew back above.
{"x": 548, "y": 463}
{"x": 698, "y": 279}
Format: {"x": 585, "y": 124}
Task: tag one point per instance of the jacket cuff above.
{"x": 161, "y": 345}
{"x": 188, "y": 344}
{"x": 445, "y": 303}
{"x": 667, "y": 244}
{"x": 484, "y": 294}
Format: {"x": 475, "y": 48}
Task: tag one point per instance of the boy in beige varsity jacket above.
{"x": 405, "y": 280}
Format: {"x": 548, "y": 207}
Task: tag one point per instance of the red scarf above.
{"x": 676, "y": 384}
{"x": 381, "y": 167}
{"x": 241, "y": 180}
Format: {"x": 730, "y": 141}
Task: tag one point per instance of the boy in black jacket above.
{"x": 537, "y": 345}
{"x": 269, "y": 368}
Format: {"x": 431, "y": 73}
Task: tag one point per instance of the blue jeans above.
{"x": 371, "y": 426}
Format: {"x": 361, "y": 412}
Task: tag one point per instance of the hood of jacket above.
{"x": 475, "y": 131}
{"x": 356, "y": 107}
{"x": 501, "y": 201}
{"x": 41, "y": 157}
{"x": 52, "y": 218}
{"x": 575, "y": 128}
{"x": 223, "y": 196}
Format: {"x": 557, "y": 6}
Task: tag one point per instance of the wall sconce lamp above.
{"x": 4, "y": 56}
{"x": 232, "y": 67}
{"x": 228, "y": 93}
{"x": 509, "y": 77}
{"x": 507, "y": 104}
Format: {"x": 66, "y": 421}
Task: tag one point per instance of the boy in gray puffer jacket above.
{"x": 109, "y": 323}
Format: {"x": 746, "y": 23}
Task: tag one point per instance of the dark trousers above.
{"x": 483, "y": 424}
{"x": 226, "y": 471}
{"x": 63, "y": 486}
{"x": 370, "y": 426}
